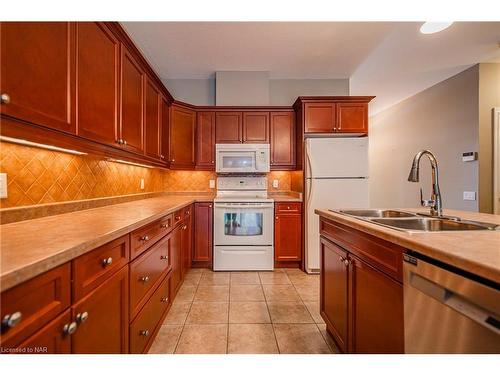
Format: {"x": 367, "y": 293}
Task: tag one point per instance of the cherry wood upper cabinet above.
{"x": 205, "y": 140}
{"x": 152, "y": 120}
{"x": 203, "y": 228}
{"x": 165, "y": 130}
{"x": 352, "y": 118}
{"x": 255, "y": 127}
{"x": 228, "y": 127}
{"x": 182, "y": 137}
{"x": 105, "y": 328}
{"x": 131, "y": 102}
{"x": 98, "y": 60}
{"x": 382, "y": 330}
{"x": 37, "y": 74}
{"x": 334, "y": 291}
{"x": 319, "y": 117}
{"x": 282, "y": 140}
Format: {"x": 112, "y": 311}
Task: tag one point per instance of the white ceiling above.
{"x": 390, "y": 60}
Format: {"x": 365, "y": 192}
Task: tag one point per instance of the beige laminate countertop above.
{"x": 29, "y": 248}
{"x": 477, "y": 252}
{"x": 285, "y": 197}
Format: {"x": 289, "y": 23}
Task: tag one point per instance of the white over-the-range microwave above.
{"x": 242, "y": 158}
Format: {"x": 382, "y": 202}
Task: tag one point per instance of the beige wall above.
{"x": 443, "y": 119}
{"x": 489, "y": 97}
{"x": 242, "y": 88}
{"x": 192, "y": 91}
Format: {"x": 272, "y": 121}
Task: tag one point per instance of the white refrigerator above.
{"x": 336, "y": 177}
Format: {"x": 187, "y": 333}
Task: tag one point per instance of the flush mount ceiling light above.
{"x": 434, "y": 27}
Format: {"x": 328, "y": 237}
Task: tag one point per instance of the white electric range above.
{"x": 243, "y": 225}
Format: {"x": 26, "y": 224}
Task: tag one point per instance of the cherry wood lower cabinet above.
{"x": 203, "y": 234}
{"x": 288, "y": 234}
{"x": 361, "y": 302}
{"x": 176, "y": 258}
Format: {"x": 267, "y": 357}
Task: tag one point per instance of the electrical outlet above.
{"x": 276, "y": 184}
{"x": 142, "y": 184}
{"x": 469, "y": 195}
{"x": 211, "y": 184}
{"x": 3, "y": 185}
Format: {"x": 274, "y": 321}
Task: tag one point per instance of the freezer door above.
{"x": 337, "y": 157}
{"x": 329, "y": 194}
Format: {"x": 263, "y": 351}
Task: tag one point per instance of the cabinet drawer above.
{"x": 187, "y": 211}
{"x": 145, "y": 271}
{"x": 291, "y": 207}
{"x": 143, "y": 327}
{"x": 33, "y": 304}
{"x": 51, "y": 339}
{"x": 383, "y": 255}
{"x": 90, "y": 270}
{"x": 141, "y": 239}
{"x": 178, "y": 216}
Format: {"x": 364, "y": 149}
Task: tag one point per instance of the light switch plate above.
{"x": 211, "y": 183}
{"x": 142, "y": 184}
{"x": 276, "y": 184}
{"x": 469, "y": 195}
{"x": 3, "y": 185}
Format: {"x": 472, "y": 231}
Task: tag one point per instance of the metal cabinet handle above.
{"x": 82, "y": 317}
{"x": 70, "y": 328}
{"x": 276, "y": 217}
{"x": 119, "y": 141}
{"x": 177, "y": 218}
{"x": 12, "y": 320}
{"x": 209, "y": 206}
{"x": 184, "y": 227}
{"x": 288, "y": 207}
{"x": 164, "y": 226}
{"x": 107, "y": 261}
{"x": 164, "y": 299}
{"x": 5, "y": 98}
{"x": 144, "y": 238}
{"x": 144, "y": 279}
{"x": 346, "y": 262}
{"x": 161, "y": 156}
{"x": 173, "y": 160}
{"x": 187, "y": 212}
{"x": 212, "y": 161}
{"x": 124, "y": 142}
{"x": 144, "y": 332}
{"x": 163, "y": 257}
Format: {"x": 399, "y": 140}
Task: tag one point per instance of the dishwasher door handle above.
{"x": 456, "y": 302}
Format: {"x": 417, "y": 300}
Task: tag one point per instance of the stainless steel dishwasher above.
{"x": 447, "y": 310}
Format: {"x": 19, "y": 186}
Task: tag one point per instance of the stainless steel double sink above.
{"x": 415, "y": 222}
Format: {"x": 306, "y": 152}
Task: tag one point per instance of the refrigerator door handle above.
{"x": 308, "y": 159}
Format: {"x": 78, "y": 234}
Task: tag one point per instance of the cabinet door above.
{"x": 228, "y": 128}
{"x": 182, "y": 132}
{"x": 176, "y": 258}
{"x": 282, "y": 140}
{"x": 334, "y": 291}
{"x": 37, "y": 72}
{"x": 205, "y": 140}
{"x": 287, "y": 237}
{"x": 203, "y": 229}
{"x": 51, "y": 339}
{"x": 381, "y": 330}
{"x": 187, "y": 244}
{"x": 319, "y": 117}
{"x": 98, "y": 61}
{"x": 152, "y": 120}
{"x": 255, "y": 127}
{"x": 131, "y": 102}
{"x": 352, "y": 118}
{"x": 165, "y": 130}
{"x": 105, "y": 329}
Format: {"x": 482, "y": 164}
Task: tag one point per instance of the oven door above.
{"x": 244, "y": 224}
{"x": 229, "y": 161}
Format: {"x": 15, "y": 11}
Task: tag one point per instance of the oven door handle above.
{"x": 249, "y": 206}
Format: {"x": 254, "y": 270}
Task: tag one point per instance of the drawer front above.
{"x": 178, "y": 216}
{"x": 51, "y": 339}
{"x": 187, "y": 211}
{"x": 143, "y": 238}
{"x": 33, "y": 304}
{"x": 292, "y": 207}
{"x": 143, "y": 327}
{"x": 383, "y": 255}
{"x": 145, "y": 271}
{"x": 90, "y": 270}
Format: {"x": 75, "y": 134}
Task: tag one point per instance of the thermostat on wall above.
{"x": 469, "y": 156}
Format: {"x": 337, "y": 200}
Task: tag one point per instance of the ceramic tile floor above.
{"x": 245, "y": 312}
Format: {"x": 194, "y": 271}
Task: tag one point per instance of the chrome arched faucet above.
{"x": 435, "y": 202}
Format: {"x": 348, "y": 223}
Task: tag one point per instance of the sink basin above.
{"x": 432, "y": 225}
{"x": 376, "y": 213}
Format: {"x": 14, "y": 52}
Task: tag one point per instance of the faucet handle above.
{"x": 424, "y": 202}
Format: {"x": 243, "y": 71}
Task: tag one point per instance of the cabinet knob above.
{"x": 161, "y": 156}
{"x": 173, "y": 160}
{"x": 145, "y": 238}
{"x": 164, "y": 299}
{"x": 82, "y": 317}
{"x": 144, "y": 279}
{"x": 5, "y": 98}
{"x": 184, "y": 227}
{"x": 70, "y": 328}
{"x": 144, "y": 332}
{"x": 288, "y": 207}
{"x": 163, "y": 257}
{"x": 12, "y": 320}
{"x": 124, "y": 142}
{"x": 164, "y": 226}
{"x": 209, "y": 206}
{"x": 119, "y": 141}
{"x": 276, "y": 217}
{"x": 107, "y": 261}
{"x": 177, "y": 218}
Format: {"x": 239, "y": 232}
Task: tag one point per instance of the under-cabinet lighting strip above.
{"x": 129, "y": 163}
{"x": 24, "y": 142}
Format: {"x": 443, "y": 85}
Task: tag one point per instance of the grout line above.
{"x": 270, "y": 317}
